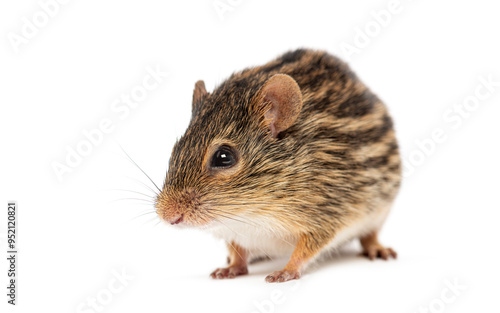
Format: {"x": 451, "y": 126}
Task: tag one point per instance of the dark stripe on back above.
{"x": 289, "y": 57}
{"x": 382, "y": 160}
{"x": 355, "y": 138}
{"x": 357, "y": 105}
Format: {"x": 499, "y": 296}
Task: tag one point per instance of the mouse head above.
{"x": 234, "y": 159}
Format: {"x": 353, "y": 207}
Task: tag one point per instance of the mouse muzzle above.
{"x": 180, "y": 208}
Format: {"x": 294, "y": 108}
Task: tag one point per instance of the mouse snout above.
{"x": 170, "y": 214}
{"x": 176, "y": 219}
{"x": 180, "y": 208}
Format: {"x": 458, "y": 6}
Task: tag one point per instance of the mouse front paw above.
{"x": 372, "y": 249}
{"x": 229, "y": 272}
{"x": 282, "y": 276}
{"x": 378, "y": 251}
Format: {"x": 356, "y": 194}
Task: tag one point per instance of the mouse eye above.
{"x": 223, "y": 158}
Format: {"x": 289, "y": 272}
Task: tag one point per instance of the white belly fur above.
{"x": 267, "y": 240}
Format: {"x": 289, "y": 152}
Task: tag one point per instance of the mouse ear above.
{"x": 282, "y": 95}
{"x": 198, "y": 94}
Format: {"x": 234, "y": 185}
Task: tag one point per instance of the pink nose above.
{"x": 170, "y": 215}
{"x": 177, "y": 219}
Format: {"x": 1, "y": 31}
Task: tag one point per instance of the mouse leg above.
{"x": 237, "y": 263}
{"x": 373, "y": 249}
{"x": 253, "y": 260}
{"x": 307, "y": 247}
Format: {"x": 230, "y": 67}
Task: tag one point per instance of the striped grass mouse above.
{"x": 294, "y": 157}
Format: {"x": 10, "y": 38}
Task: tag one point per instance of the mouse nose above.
{"x": 175, "y": 206}
{"x": 170, "y": 215}
{"x": 176, "y": 219}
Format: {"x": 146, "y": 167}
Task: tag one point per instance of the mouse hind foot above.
{"x": 373, "y": 249}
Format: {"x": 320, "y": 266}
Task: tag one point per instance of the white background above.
{"x": 75, "y": 233}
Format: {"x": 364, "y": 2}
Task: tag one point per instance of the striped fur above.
{"x": 337, "y": 164}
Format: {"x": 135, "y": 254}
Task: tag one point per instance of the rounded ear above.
{"x": 285, "y": 98}
{"x": 198, "y": 94}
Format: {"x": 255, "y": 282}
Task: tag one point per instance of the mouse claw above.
{"x": 229, "y": 272}
{"x": 378, "y": 251}
{"x": 282, "y": 276}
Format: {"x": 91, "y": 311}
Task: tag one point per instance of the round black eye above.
{"x": 223, "y": 157}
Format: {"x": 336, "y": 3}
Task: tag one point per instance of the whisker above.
{"x": 150, "y": 220}
{"x": 225, "y": 216}
{"x": 143, "y": 184}
{"x": 157, "y": 223}
{"x": 141, "y": 215}
{"x": 137, "y": 199}
{"x": 255, "y": 209}
{"x": 247, "y": 203}
{"x": 204, "y": 217}
{"x": 137, "y": 192}
{"x": 139, "y": 168}
{"x": 231, "y": 218}
{"x": 235, "y": 250}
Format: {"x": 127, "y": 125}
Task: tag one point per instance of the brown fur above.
{"x": 336, "y": 163}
